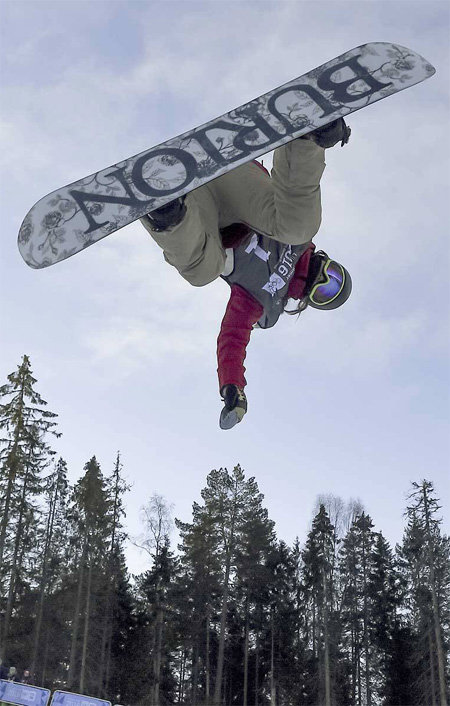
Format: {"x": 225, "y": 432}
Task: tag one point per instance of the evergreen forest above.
{"x": 232, "y": 615}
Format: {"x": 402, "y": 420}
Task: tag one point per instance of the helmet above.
{"x": 328, "y": 284}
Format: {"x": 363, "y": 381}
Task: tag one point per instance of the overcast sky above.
{"x": 353, "y": 402}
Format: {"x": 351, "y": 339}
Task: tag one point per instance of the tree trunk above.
{"x": 43, "y": 581}
{"x": 38, "y": 627}
{"x": 432, "y": 687}
{"x": 13, "y": 464}
{"x": 207, "y": 656}
{"x": 326, "y": 641}
{"x": 105, "y": 654}
{"x": 15, "y": 563}
{"x": 194, "y": 670}
{"x": 106, "y": 642}
{"x": 105, "y": 684}
{"x": 103, "y": 647}
{"x": 4, "y": 524}
{"x": 246, "y": 652}
{"x": 435, "y": 604}
{"x": 76, "y": 620}
{"x": 45, "y": 659}
{"x": 5, "y": 516}
{"x": 314, "y": 640}
{"x": 439, "y": 650}
{"x": 223, "y": 620}
{"x": 358, "y": 663}
{"x": 366, "y": 623}
{"x": 353, "y": 664}
{"x": 182, "y": 676}
{"x": 272, "y": 662}
{"x": 157, "y": 654}
{"x": 86, "y": 628}
{"x": 257, "y": 670}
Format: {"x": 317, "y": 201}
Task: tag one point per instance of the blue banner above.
{"x": 23, "y": 694}
{"x": 65, "y": 698}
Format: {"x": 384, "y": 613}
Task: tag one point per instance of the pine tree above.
{"x": 202, "y": 575}
{"x": 285, "y": 651}
{"x": 158, "y": 523}
{"x": 426, "y": 565}
{"x": 91, "y": 513}
{"x": 356, "y": 566}
{"x": 319, "y": 592}
{"x": 384, "y": 600}
{"x": 24, "y": 455}
{"x": 219, "y": 538}
{"x": 256, "y": 545}
{"x": 155, "y": 594}
{"x": 53, "y": 542}
{"x": 124, "y": 650}
{"x": 234, "y": 502}
{"x": 116, "y": 574}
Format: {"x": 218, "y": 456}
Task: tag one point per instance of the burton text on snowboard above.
{"x": 76, "y": 216}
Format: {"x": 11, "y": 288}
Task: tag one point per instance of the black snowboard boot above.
{"x": 168, "y": 216}
{"x": 329, "y": 135}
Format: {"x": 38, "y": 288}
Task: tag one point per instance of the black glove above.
{"x": 329, "y": 135}
{"x": 235, "y": 406}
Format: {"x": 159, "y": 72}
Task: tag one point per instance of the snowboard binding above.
{"x": 167, "y": 216}
{"x": 329, "y": 135}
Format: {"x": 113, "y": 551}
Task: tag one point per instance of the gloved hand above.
{"x": 235, "y": 406}
{"x": 329, "y": 135}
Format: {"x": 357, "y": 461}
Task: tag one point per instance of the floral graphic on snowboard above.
{"x": 72, "y": 218}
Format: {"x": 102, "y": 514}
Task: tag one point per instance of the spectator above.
{"x": 3, "y": 671}
{"x": 26, "y": 677}
{"x": 12, "y": 674}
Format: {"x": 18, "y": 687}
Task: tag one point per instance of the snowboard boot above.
{"x": 329, "y": 135}
{"x": 168, "y": 216}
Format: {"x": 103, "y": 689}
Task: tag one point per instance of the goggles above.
{"x": 329, "y": 283}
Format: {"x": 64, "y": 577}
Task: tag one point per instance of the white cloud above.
{"x": 344, "y": 344}
{"x": 134, "y": 344}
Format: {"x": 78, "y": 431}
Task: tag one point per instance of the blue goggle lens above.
{"x": 324, "y": 292}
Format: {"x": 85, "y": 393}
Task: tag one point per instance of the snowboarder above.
{"x": 256, "y": 231}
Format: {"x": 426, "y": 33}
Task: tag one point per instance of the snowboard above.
{"x": 73, "y": 217}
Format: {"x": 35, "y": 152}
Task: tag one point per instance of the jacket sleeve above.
{"x": 242, "y": 312}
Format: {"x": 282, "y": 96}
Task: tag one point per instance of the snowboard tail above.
{"x": 71, "y": 218}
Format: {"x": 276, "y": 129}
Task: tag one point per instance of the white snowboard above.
{"x": 76, "y": 216}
